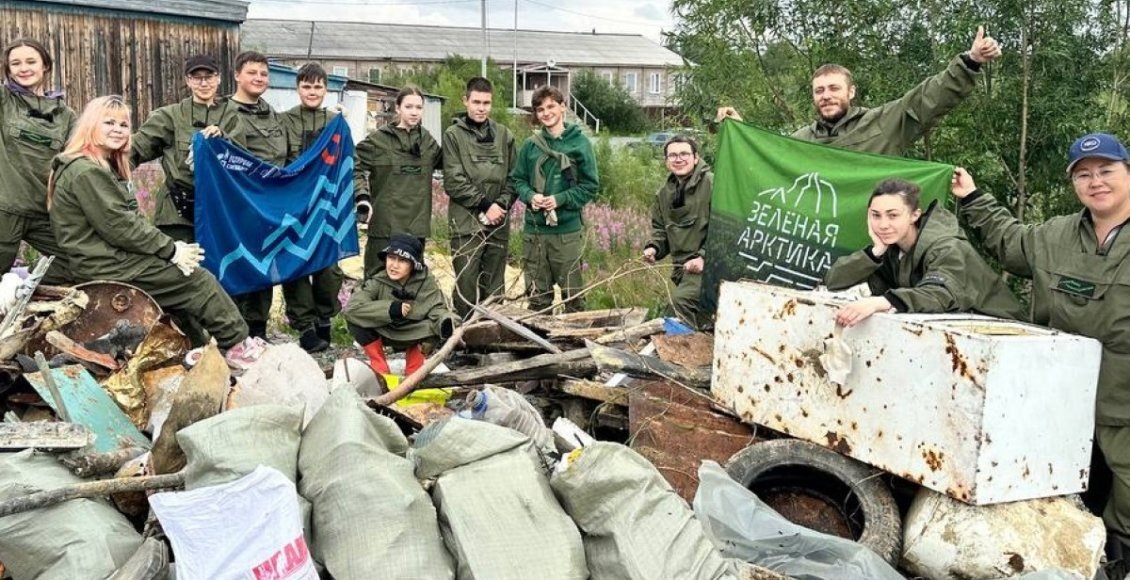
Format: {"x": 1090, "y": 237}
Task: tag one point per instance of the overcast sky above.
{"x": 646, "y": 17}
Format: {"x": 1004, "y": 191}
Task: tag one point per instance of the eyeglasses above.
{"x": 680, "y": 155}
{"x": 1103, "y": 175}
{"x": 202, "y": 80}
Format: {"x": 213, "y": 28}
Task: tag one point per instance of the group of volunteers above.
{"x": 67, "y": 193}
{"x": 920, "y": 261}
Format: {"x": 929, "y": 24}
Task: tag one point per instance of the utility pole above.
{"x": 483, "y": 73}
{"x": 515, "y": 54}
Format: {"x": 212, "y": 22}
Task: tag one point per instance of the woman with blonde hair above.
{"x": 94, "y": 214}
{"x": 34, "y": 126}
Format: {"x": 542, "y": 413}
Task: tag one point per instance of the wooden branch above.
{"x": 632, "y": 333}
{"x": 104, "y": 487}
{"x": 516, "y": 328}
{"x": 576, "y": 361}
{"x": 630, "y": 363}
{"x": 93, "y": 464}
{"x": 412, "y": 381}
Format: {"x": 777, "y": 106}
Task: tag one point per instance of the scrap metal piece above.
{"x": 44, "y": 435}
{"x": 85, "y": 403}
{"x": 164, "y": 343}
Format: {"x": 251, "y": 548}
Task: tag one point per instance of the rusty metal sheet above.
{"x": 108, "y": 303}
{"x": 88, "y": 405}
{"x": 676, "y": 428}
{"x": 983, "y": 410}
{"x": 163, "y": 344}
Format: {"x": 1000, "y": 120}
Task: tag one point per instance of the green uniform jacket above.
{"x": 893, "y": 128}
{"x": 394, "y": 167}
{"x": 369, "y": 308}
{"x": 265, "y": 135}
{"x": 303, "y": 127}
{"x": 681, "y": 231}
{"x": 167, "y": 134}
{"x": 95, "y": 219}
{"x": 476, "y": 172}
{"x": 1075, "y": 287}
{"x": 942, "y": 273}
{"x": 571, "y": 198}
{"x": 32, "y": 131}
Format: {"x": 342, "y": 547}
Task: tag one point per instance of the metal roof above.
{"x": 225, "y": 10}
{"x": 376, "y": 41}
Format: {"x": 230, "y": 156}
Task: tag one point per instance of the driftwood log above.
{"x": 100, "y": 488}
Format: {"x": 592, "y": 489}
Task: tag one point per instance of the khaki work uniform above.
{"x": 267, "y": 140}
{"x": 679, "y": 219}
{"x": 476, "y": 168}
{"x": 314, "y": 298}
{"x": 369, "y": 312}
{"x": 33, "y": 130}
{"x": 942, "y": 273}
{"x": 103, "y": 237}
{"x": 1083, "y": 287}
{"x": 892, "y": 128}
{"x": 393, "y": 172}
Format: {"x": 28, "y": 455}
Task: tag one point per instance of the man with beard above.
{"x": 892, "y": 128}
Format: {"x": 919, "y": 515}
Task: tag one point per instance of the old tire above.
{"x": 796, "y": 464}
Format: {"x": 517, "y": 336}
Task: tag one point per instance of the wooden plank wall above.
{"x": 138, "y": 56}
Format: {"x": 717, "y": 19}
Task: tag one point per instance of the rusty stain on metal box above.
{"x": 965, "y": 405}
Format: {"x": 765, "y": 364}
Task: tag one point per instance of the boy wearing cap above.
{"x": 1081, "y": 284}
{"x": 168, "y": 133}
{"x": 401, "y": 307}
{"x": 311, "y": 301}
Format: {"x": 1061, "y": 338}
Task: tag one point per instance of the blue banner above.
{"x": 262, "y": 225}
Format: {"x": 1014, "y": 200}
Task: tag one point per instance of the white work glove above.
{"x": 551, "y": 217}
{"x": 190, "y": 160}
{"x": 187, "y": 257}
{"x": 9, "y": 292}
{"x": 340, "y": 109}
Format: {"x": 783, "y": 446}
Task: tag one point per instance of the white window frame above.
{"x": 655, "y": 83}
{"x": 379, "y": 74}
{"x": 631, "y": 82}
{"x": 341, "y": 71}
{"x": 609, "y": 77}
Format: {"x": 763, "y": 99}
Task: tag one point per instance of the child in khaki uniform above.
{"x": 401, "y": 307}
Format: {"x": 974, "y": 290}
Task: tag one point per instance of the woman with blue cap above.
{"x": 1081, "y": 284}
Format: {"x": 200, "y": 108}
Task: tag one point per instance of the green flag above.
{"x": 783, "y": 209}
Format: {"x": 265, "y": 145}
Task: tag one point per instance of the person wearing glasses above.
{"x": 34, "y": 126}
{"x": 918, "y": 261}
{"x": 168, "y": 133}
{"x": 679, "y": 218}
{"x": 266, "y": 139}
{"x": 1079, "y": 265}
{"x": 94, "y": 215}
{"x": 555, "y": 175}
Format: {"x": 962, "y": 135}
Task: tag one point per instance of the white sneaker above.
{"x": 244, "y": 354}
{"x": 193, "y": 357}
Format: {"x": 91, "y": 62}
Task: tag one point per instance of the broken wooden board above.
{"x": 89, "y": 405}
{"x": 516, "y": 328}
{"x": 80, "y": 352}
{"x": 595, "y": 391}
{"x": 676, "y": 428}
{"x": 691, "y": 351}
{"x": 631, "y": 334}
{"x": 581, "y": 325}
{"x": 576, "y": 363}
{"x": 646, "y": 367}
{"x": 44, "y": 435}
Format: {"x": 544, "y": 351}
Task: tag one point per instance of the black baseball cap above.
{"x": 200, "y": 61}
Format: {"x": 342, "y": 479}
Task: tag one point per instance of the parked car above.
{"x": 655, "y": 141}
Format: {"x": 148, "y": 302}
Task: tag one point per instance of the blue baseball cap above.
{"x": 1102, "y": 145}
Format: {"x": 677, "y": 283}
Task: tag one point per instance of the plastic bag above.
{"x": 249, "y": 528}
{"x": 743, "y": 527}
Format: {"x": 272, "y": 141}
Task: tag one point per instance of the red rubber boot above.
{"x": 413, "y": 359}
{"x": 377, "y": 360}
